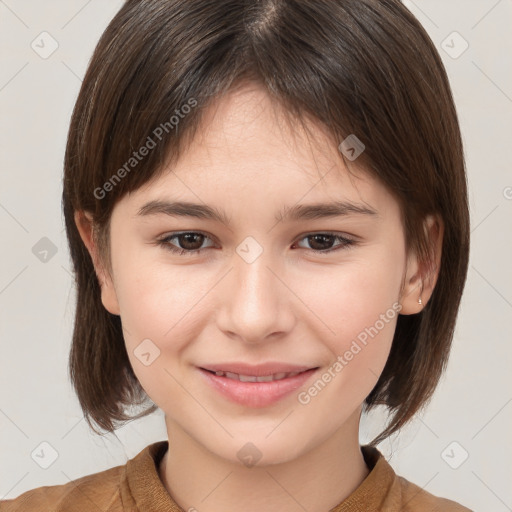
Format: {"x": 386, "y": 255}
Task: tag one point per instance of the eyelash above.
{"x": 346, "y": 243}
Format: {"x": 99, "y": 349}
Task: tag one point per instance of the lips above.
{"x": 256, "y": 386}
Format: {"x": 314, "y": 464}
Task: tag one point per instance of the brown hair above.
{"x": 364, "y": 67}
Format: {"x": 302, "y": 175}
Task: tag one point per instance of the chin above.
{"x": 261, "y": 452}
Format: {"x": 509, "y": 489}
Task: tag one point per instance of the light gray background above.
{"x": 472, "y": 405}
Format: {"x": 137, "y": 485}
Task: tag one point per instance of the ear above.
{"x": 420, "y": 277}
{"x": 85, "y": 225}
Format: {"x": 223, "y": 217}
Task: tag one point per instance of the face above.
{"x": 258, "y": 284}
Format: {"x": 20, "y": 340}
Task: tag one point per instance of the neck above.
{"x": 317, "y": 480}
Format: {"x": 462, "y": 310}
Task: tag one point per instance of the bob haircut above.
{"x": 363, "y": 67}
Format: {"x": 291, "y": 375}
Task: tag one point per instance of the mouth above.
{"x": 256, "y": 391}
{"x": 255, "y": 378}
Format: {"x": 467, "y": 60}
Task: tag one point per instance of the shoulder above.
{"x": 113, "y": 490}
{"x": 97, "y": 491}
{"x": 416, "y": 499}
{"x": 386, "y": 491}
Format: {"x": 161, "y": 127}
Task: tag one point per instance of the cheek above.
{"x": 357, "y": 304}
{"x": 360, "y": 309}
{"x": 161, "y": 311}
{"x": 166, "y": 304}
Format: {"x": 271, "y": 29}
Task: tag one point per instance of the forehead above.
{"x": 247, "y": 151}
{"x": 247, "y": 131}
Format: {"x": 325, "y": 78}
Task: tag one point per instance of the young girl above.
{"x": 266, "y": 208}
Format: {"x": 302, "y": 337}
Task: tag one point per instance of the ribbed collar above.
{"x": 150, "y": 495}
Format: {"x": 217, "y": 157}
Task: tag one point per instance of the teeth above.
{"x": 252, "y": 378}
{"x": 264, "y": 378}
{"x": 248, "y": 378}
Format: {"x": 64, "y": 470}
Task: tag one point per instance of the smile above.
{"x": 253, "y": 378}
{"x": 256, "y": 391}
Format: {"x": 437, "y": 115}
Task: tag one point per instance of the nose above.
{"x": 256, "y": 305}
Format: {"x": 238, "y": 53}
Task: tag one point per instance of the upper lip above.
{"x": 259, "y": 370}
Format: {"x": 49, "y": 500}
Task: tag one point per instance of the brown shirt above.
{"x": 136, "y": 487}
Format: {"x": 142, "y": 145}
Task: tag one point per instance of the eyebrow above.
{"x": 294, "y": 213}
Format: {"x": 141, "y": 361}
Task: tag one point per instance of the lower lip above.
{"x": 256, "y": 394}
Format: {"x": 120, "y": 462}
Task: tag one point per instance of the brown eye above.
{"x": 322, "y": 243}
{"x": 189, "y": 243}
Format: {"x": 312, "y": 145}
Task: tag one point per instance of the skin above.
{"x": 289, "y": 305}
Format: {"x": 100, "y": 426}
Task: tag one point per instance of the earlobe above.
{"x": 84, "y": 224}
{"x": 421, "y": 276}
